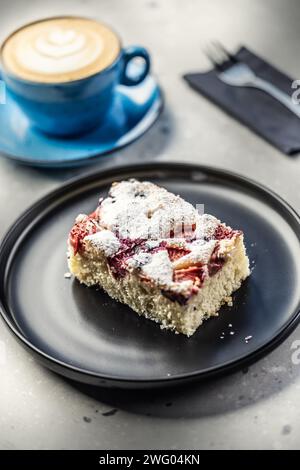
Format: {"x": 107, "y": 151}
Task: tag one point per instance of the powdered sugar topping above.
{"x": 159, "y": 268}
{"x": 201, "y": 252}
{"x": 106, "y": 241}
{"x": 158, "y": 223}
{"x": 139, "y": 260}
{"x": 206, "y": 226}
{"x": 80, "y": 218}
{"x": 143, "y": 210}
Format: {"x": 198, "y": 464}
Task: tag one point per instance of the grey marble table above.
{"x": 255, "y": 408}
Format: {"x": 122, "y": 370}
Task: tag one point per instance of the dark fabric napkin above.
{"x": 254, "y": 108}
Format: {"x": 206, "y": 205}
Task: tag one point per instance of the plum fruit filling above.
{"x": 177, "y": 252}
{"x": 81, "y": 229}
{"x": 117, "y": 263}
{"x": 89, "y": 225}
{"x": 223, "y": 232}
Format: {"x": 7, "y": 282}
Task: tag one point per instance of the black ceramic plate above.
{"x": 83, "y": 334}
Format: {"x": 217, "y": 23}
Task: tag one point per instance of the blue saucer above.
{"x": 134, "y": 110}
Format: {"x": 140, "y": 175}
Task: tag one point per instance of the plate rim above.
{"x": 114, "y": 172}
{"x": 159, "y": 102}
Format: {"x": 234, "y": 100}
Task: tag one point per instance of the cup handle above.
{"x": 130, "y": 53}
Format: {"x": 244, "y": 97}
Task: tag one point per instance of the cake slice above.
{"x": 153, "y": 251}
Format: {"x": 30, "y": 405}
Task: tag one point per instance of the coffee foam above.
{"x": 60, "y": 50}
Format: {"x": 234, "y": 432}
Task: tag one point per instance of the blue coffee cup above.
{"x": 76, "y": 107}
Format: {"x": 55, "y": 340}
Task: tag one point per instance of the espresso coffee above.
{"x": 60, "y": 50}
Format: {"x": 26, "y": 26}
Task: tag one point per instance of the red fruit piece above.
{"x": 80, "y": 230}
{"x": 117, "y": 262}
{"x": 223, "y": 232}
{"x": 176, "y": 252}
{"x": 193, "y": 273}
{"x": 216, "y": 261}
{"x": 94, "y": 215}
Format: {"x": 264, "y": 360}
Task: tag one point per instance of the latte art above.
{"x": 59, "y": 43}
{"x": 60, "y": 50}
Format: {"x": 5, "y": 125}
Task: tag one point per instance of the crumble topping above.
{"x": 143, "y": 228}
{"x": 200, "y": 253}
{"x": 206, "y": 227}
{"x": 106, "y": 241}
{"x": 80, "y": 218}
{"x": 150, "y": 244}
{"x": 143, "y": 210}
{"x": 138, "y": 260}
{"x": 159, "y": 268}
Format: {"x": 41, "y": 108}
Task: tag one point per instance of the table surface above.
{"x": 254, "y": 408}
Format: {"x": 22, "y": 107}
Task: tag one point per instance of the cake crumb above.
{"x": 67, "y": 275}
{"x": 248, "y": 338}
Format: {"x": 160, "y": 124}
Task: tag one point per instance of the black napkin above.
{"x": 254, "y": 108}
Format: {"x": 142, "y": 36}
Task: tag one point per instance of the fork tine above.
{"x": 219, "y": 52}
{"x": 220, "y": 58}
{"x": 226, "y": 53}
{"x": 213, "y": 58}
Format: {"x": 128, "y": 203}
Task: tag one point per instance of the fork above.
{"x": 236, "y": 73}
